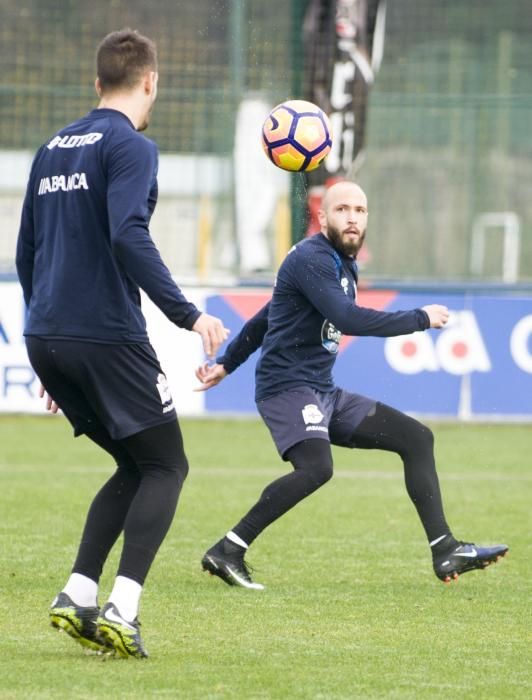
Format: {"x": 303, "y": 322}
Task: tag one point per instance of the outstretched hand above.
{"x": 210, "y": 376}
{"x": 213, "y": 333}
{"x": 438, "y": 315}
{"x": 50, "y": 403}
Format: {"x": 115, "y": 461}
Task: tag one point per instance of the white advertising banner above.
{"x": 179, "y": 352}
{"x": 18, "y": 384}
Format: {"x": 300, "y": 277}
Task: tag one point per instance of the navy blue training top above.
{"x": 313, "y": 304}
{"x": 84, "y": 247}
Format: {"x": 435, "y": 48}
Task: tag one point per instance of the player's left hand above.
{"x": 438, "y": 315}
{"x": 210, "y": 376}
{"x": 50, "y": 403}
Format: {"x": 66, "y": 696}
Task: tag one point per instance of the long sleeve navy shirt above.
{"x": 313, "y": 304}
{"x": 84, "y": 247}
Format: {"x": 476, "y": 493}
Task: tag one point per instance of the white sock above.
{"x": 236, "y": 539}
{"x": 438, "y": 539}
{"x": 126, "y": 596}
{"x": 82, "y": 590}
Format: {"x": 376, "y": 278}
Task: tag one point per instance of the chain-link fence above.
{"x": 449, "y": 153}
{"x": 210, "y": 52}
{"x": 448, "y": 156}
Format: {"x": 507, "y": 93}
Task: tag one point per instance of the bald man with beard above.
{"x": 314, "y": 303}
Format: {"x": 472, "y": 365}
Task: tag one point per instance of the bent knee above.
{"x": 419, "y": 439}
{"x": 314, "y": 458}
{"x": 183, "y": 469}
{"x": 177, "y": 467}
{"x": 320, "y": 471}
{"x": 425, "y": 436}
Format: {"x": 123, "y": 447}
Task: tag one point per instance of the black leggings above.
{"x": 385, "y": 429}
{"x": 393, "y": 431}
{"x": 140, "y": 499}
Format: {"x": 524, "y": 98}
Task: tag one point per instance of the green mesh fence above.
{"x": 448, "y": 137}
{"x": 210, "y": 51}
{"x": 449, "y": 147}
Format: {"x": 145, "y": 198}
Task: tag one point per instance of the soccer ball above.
{"x": 296, "y": 136}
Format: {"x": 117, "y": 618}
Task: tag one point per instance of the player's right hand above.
{"x": 438, "y": 315}
{"x": 213, "y": 333}
{"x": 50, "y": 403}
{"x": 210, "y": 375}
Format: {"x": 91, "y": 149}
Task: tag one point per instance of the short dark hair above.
{"x": 122, "y": 57}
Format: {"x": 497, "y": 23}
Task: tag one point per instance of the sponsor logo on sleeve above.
{"x": 330, "y": 337}
{"x": 345, "y": 285}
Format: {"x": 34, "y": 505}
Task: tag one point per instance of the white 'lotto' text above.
{"x": 74, "y": 141}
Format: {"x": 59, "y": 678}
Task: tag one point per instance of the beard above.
{"x": 346, "y": 246}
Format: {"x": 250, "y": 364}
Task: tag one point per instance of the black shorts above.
{"x": 302, "y": 413}
{"x": 121, "y": 387}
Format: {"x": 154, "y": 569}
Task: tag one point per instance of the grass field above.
{"x": 351, "y": 609}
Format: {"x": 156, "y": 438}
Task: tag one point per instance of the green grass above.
{"x": 351, "y": 609}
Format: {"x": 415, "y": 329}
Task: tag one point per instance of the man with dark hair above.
{"x": 84, "y": 252}
{"x": 122, "y": 58}
{"x": 313, "y": 304}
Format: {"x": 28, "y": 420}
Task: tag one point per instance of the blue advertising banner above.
{"x": 478, "y": 367}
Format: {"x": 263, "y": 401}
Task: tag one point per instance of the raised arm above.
{"x": 318, "y": 281}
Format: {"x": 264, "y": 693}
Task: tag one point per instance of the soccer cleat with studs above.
{"x": 464, "y": 557}
{"x": 78, "y": 622}
{"x": 226, "y": 560}
{"x": 122, "y": 635}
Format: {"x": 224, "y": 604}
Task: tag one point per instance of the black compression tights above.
{"x": 140, "y": 499}
{"x": 313, "y": 466}
{"x": 386, "y": 429}
{"x": 391, "y": 430}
